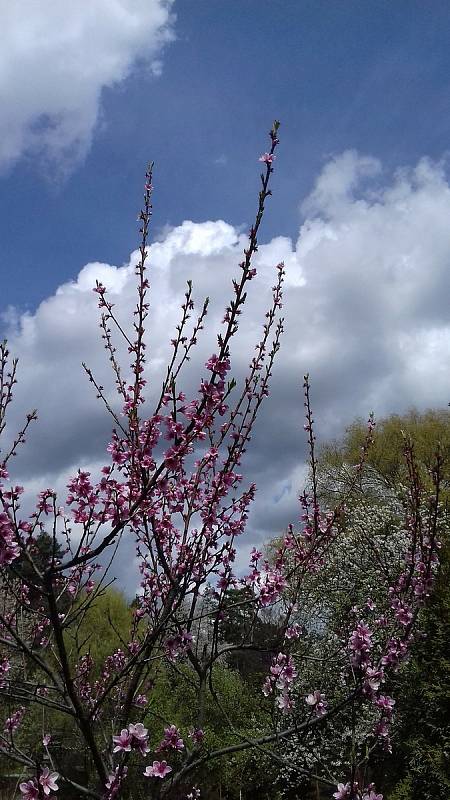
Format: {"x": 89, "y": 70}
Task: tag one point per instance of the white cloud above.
{"x": 366, "y": 308}
{"x": 339, "y": 177}
{"x": 55, "y": 60}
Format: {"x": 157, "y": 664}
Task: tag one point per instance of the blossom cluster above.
{"x": 13, "y": 722}
{"x": 47, "y": 781}
{"x": 5, "y": 666}
{"x": 349, "y": 790}
{"x": 135, "y": 737}
{"x": 9, "y": 548}
{"x": 317, "y": 703}
{"x": 280, "y": 680}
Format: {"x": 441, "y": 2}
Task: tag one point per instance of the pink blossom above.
{"x": 381, "y": 729}
{"x": 267, "y": 158}
{"x": 284, "y": 703}
{"x": 293, "y": 632}
{"x": 48, "y": 780}
{"x": 139, "y": 737}
{"x": 9, "y": 549}
{"x": 197, "y": 735}
{"x": 317, "y": 701}
{"x": 360, "y": 643}
{"x": 138, "y": 731}
{"x": 282, "y": 675}
{"x": 46, "y": 739}
{"x": 111, "y": 779}
{"x": 373, "y": 679}
{"x": 178, "y": 645}
{"x": 404, "y": 615}
{"x": 172, "y": 739}
{"x": 114, "y": 780}
{"x": 342, "y": 791}
{"x": 219, "y": 366}
{"x": 140, "y": 700}
{"x": 255, "y": 554}
{"x": 99, "y": 288}
{"x": 29, "y": 790}
{"x": 385, "y": 702}
{"x": 13, "y": 722}
{"x": 159, "y": 769}
{"x": 122, "y": 742}
{"x": 5, "y": 666}
{"x": 133, "y": 738}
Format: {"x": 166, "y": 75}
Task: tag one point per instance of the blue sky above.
{"x": 360, "y": 212}
{"x": 372, "y": 76}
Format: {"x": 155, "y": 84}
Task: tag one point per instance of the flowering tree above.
{"x": 417, "y": 765}
{"x": 172, "y": 485}
{"x": 351, "y": 585}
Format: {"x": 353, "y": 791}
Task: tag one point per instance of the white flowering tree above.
{"x": 365, "y": 556}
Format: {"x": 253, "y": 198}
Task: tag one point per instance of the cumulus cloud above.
{"x": 366, "y": 314}
{"x": 55, "y": 60}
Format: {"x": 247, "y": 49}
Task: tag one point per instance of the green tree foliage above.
{"x": 103, "y": 628}
{"x": 385, "y": 455}
{"x": 238, "y": 711}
